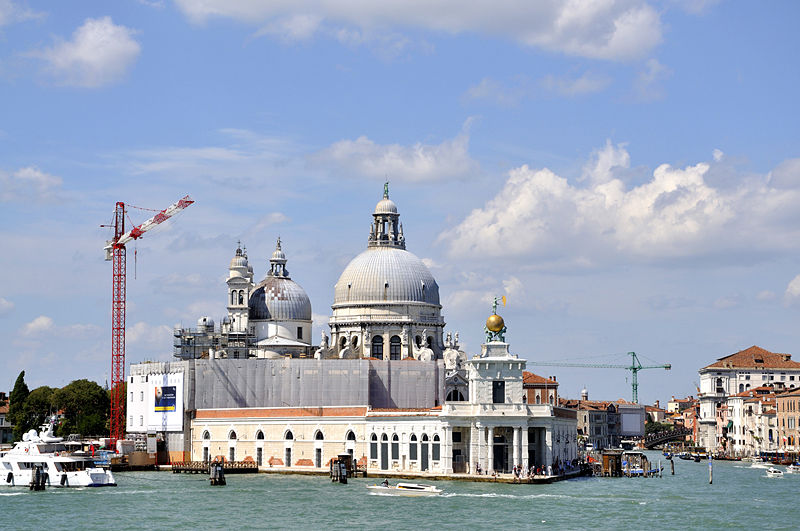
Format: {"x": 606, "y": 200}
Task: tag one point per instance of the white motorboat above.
{"x": 773, "y": 472}
{"x": 405, "y": 489}
{"x": 793, "y": 469}
{"x": 43, "y": 459}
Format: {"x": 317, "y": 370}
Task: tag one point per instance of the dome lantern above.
{"x": 386, "y": 229}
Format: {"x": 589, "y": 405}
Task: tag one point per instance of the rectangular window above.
{"x": 141, "y": 420}
{"x": 791, "y": 378}
{"x": 456, "y": 436}
{"x": 373, "y": 450}
{"x": 141, "y": 396}
{"x": 412, "y": 451}
{"x": 299, "y": 332}
{"x": 395, "y": 450}
{"x": 232, "y": 454}
{"x": 499, "y": 392}
{"x": 259, "y": 456}
{"x": 435, "y": 451}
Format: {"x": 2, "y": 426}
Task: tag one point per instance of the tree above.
{"x": 38, "y": 406}
{"x": 16, "y": 406}
{"x": 85, "y": 407}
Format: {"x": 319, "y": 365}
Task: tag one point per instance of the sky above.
{"x": 625, "y": 172}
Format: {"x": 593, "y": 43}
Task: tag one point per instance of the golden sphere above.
{"x": 494, "y": 323}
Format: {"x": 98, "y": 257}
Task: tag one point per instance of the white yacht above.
{"x": 405, "y": 489}
{"x": 43, "y": 459}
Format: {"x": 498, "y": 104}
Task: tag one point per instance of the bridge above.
{"x": 679, "y": 433}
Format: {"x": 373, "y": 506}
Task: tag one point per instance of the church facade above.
{"x": 388, "y": 387}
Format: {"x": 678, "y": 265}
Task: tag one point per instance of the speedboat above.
{"x": 405, "y": 489}
{"x": 773, "y": 472}
{"x": 42, "y": 459}
{"x": 793, "y": 468}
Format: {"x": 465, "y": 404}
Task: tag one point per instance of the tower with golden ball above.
{"x": 495, "y": 328}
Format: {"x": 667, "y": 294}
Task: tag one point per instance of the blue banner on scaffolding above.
{"x": 165, "y": 398}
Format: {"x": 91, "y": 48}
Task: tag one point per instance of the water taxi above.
{"x": 404, "y": 489}
{"x": 42, "y": 460}
{"x": 773, "y": 472}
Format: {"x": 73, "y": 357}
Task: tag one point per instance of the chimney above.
{"x": 657, "y": 405}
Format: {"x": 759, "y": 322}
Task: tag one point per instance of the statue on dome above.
{"x": 495, "y": 328}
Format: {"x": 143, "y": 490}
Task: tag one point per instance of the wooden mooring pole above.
{"x": 710, "y": 471}
{"x": 672, "y": 466}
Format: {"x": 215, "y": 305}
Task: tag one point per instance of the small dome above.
{"x": 239, "y": 260}
{"x": 385, "y": 206}
{"x": 279, "y": 298}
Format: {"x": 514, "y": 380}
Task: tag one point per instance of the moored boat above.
{"x": 42, "y": 460}
{"x": 794, "y": 468}
{"x": 405, "y": 489}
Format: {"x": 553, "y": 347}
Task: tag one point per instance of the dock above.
{"x": 202, "y": 467}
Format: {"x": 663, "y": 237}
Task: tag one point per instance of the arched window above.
{"x": 232, "y": 435}
{"x": 435, "y": 448}
{"x": 395, "y": 447}
{"x": 260, "y": 435}
{"x": 430, "y": 342}
{"x": 206, "y": 435}
{"x": 741, "y": 388}
{"x": 351, "y": 436}
{"x": 377, "y": 347}
{"x": 551, "y": 399}
{"x": 319, "y": 436}
{"x": 241, "y": 297}
{"x": 354, "y": 342}
{"x": 289, "y": 435}
{"x": 424, "y": 438}
{"x": 412, "y": 448}
{"x": 394, "y": 348}
{"x": 538, "y": 398}
{"x": 455, "y": 396}
{"x": 343, "y": 342}
{"x": 373, "y": 447}
{"x": 233, "y": 297}
{"x": 418, "y": 341}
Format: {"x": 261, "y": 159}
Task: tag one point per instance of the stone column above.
{"x": 490, "y": 448}
{"x": 548, "y": 447}
{"x": 516, "y": 437}
{"x": 474, "y": 448}
{"x": 524, "y": 448}
{"x": 448, "y": 450}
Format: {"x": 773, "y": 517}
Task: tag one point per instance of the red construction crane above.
{"x": 115, "y": 251}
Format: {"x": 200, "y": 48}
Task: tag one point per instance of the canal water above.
{"x": 741, "y": 497}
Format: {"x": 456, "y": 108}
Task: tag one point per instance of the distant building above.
{"x": 604, "y": 424}
{"x": 540, "y": 390}
{"x": 788, "y": 421}
{"x": 677, "y": 405}
{"x": 738, "y": 373}
{"x": 6, "y": 429}
{"x": 655, "y": 413}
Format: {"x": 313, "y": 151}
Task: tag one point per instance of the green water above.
{"x": 741, "y": 497}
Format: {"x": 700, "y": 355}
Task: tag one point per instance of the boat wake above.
{"x": 11, "y": 493}
{"x": 496, "y": 495}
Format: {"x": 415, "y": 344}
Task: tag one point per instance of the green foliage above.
{"x": 38, "y": 407}
{"x": 85, "y": 406}
{"x": 656, "y": 427}
{"x": 16, "y": 415}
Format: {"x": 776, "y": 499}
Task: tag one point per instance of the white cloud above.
{"x": 765, "y": 295}
{"x": 494, "y": 91}
{"x": 418, "y": 162}
{"x": 648, "y": 84}
{"x": 575, "y": 86}
{"x": 39, "y": 325}
{"x": 11, "y": 12}
{"x": 273, "y": 218}
{"x": 605, "y": 29}
{"x": 6, "y": 306}
{"x": 792, "y": 294}
{"x": 29, "y": 183}
{"x": 294, "y": 28}
{"x": 100, "y": 53}
{"x": 724, "y": 303}
{"x": 675, "y": 215}
{"x": 718, "y": 154}
{"x": 786, "y": 175}
{"x": 144, "y": 335}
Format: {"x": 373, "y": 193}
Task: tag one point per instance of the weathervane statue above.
{"x": 495, "y": 328}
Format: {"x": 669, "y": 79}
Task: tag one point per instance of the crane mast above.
{"x": 115, "y": 252}
{"x": 634, "y": 367}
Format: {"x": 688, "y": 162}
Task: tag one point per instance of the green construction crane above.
{"x": 634, "y": 367}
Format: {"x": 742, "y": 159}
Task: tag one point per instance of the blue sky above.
{"x": 626, "y": 172}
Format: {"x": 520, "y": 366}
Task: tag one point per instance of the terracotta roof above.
{"x": 4, "y": 409}
{"x": 530, "y": 378}
{"x": 755, "y": 358}
{"x": 761, "y": 390}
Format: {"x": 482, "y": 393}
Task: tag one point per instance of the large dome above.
{"x": 386, "y": 274}
{"x": 279, "y": 298}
